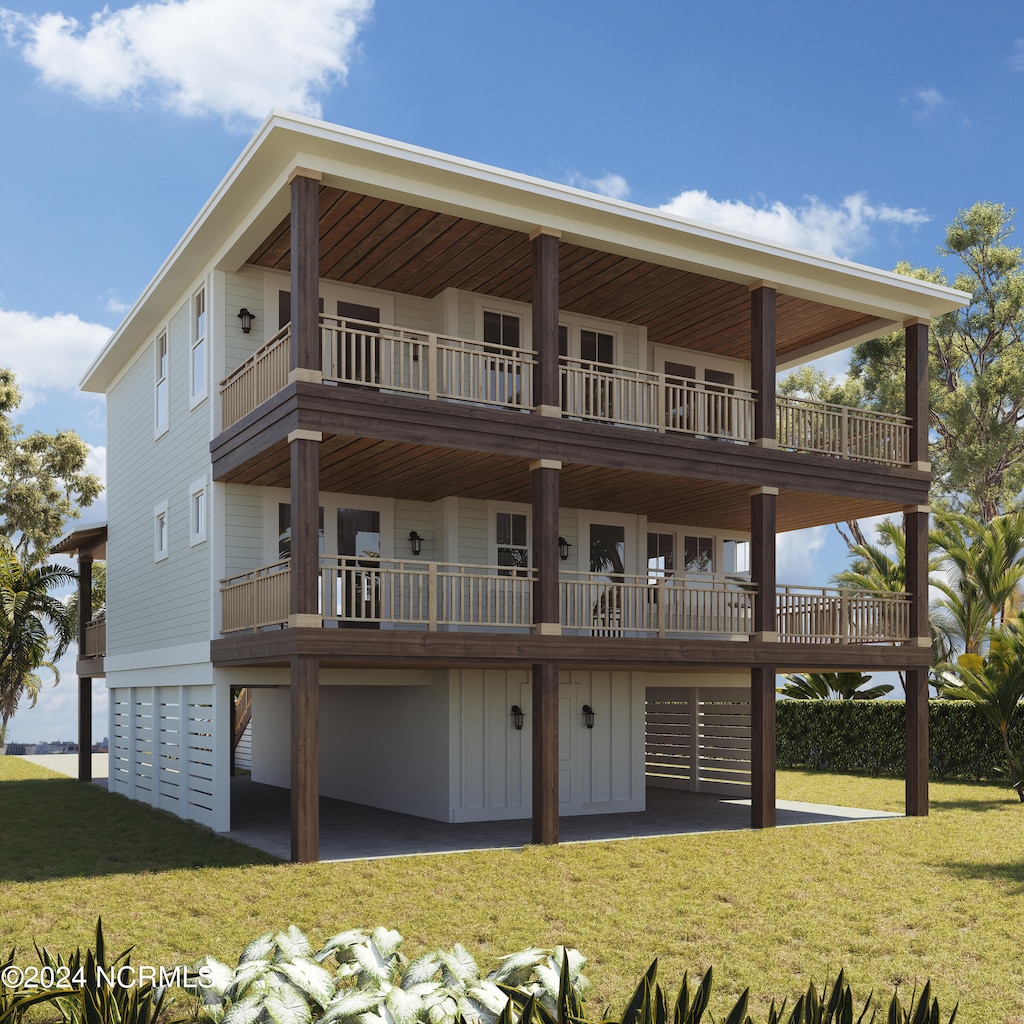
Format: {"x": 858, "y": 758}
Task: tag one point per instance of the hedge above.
{"x": 868, "y": 735}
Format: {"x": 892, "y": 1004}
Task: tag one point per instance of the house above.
{"x": 466, "y": 486}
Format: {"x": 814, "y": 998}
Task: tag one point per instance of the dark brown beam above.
{"x": 84, "y": 682}
{"x": 305, "y": 522}
{"x": 305, "y": 270}
{"x": 915, "y": 528}
{"x": 545, "y": 752}
{"x": 305, "y": 776}
{"x": 762, "y": 362}
{"x": 546, "y": 387}
{"x": 916, "y": 346}
{"x": 762, "y": 747}
{"x": 763, "y": 503}
{"x": 917, "y": 742}
{"x": 544, "y": 476}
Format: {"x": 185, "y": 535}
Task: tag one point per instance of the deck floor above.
{"x": 260, "y": 817}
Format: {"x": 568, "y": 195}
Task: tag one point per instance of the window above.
{"x": 736, "y": 556}
{"x": 501, "y": 329}
{"x": 197, "y": 513}
{"x": 513, "y": 541}
{"x": 162, "y": 396}
{"x": 503, "y": 381}
{"x": 198, "y": 334}
{"x": 161, "y": 542}
{"x": 698, "y": 554}
{"x": 660, "y": 555}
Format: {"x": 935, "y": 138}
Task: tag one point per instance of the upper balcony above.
{"x": 437, "y": 367}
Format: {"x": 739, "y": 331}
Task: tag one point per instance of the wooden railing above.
{"x": 423, "y": 363}
{"x": 456, "y": 369}
{"x": 632, "y": 605}
{"x": 437, "y": 595}
{"x": 805, "y": 425}
{"x": 94, "y": 641}
{"x": 260, "y": 377}
{"x": 657, "y": 401}
{"x": 824, "y": 615}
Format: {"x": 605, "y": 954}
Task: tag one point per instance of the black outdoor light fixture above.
{"x": 517, "y": 716}
{"x": 588, "y": 716}
{"x": 247, "y": 318}
{"x": 563, "y": 549}
{"x": 416, "y": 541}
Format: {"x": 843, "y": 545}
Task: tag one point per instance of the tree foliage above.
{"x": 43, "y": 480}
{"x": 32, "y": 622}
{"x": 832, "y": 686}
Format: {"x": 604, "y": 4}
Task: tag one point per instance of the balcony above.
{"x": 94, "y": 641}
{"x": 437, "y": 367}
{"x": 378, "y": 593}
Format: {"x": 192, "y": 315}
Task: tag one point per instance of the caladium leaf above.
{"x": 246, "y": 975}
{"x": 387, "y": 941}
{"x": 423, "y": 968}
{"x": 245, "y": 1011}
{"x": 310, "y": 978}
{"x": 288, "y": 1006}
{"x": 291, "y": 945}
{"x": 352, "y": 1003}
{"x": 489, "y": 996}
{"x": 217, "y": 978}
{"x": 404, "y": 1006}
{"x": 523, "y": 960}
{"x": 261, "y": 948}
{"x": 341, "y": 945}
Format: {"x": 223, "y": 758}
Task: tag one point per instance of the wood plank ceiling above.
{"x": 356, "y": 465}
{"x": 396, "y": 247}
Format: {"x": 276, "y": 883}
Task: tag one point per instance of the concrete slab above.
{"x": 67, "y": 764}
{"x": 260, "y": 817}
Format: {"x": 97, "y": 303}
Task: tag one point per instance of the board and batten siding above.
{"x": 150, "y": 604}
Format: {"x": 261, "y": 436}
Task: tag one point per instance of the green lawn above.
{"x": 894, "y": 901}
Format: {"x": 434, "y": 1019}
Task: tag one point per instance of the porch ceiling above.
{"x": 384, "y": 244}
{"x": 428, "y": 473}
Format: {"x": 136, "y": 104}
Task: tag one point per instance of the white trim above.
{"x": 161, "y": 533}
{"x": 488, "y": 304}
{"x": 516, "y": 508}
{"x": 631, "y": 556}
{"x": 165, "y": 662}
{"x": 576, "y": 322}
{"x": 703, "y": 361}
{"x": 162, "y": 376}
{"x": 198, "y": 530}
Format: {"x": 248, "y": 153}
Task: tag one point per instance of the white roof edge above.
{"x": 937, "y": 297}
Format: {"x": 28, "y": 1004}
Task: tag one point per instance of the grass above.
{"x": 894, "y": 901}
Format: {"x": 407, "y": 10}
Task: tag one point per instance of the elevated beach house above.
{"x": 462, "y": 490}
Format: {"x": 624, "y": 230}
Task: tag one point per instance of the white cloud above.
{"x": 233, "y": 58}
{"x": 48, "y": 351}
{"x": 614, "y": 186}
{"x": 796, "y": 557}
{"x": 926, "y": 101}
{"x": 836, "y": 230}
{"x": 1016, "y": 59}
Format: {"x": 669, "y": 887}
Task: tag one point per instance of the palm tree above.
{"x": 983, "y": 569}
{"x": 995, "y": 683}
{"x": 831, "y": 686}
{"x": 27, "y": 612}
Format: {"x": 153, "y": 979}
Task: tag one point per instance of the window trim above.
{"x": 514, "y": 508}
{"x": 197, "y": 533}
{"x": 197, "y": 340}
{"x": 161, "y": 532}
{"x": 161, "y": 356}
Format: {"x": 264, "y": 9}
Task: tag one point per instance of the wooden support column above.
{"x": 546, "y": 615}
{"x": 763, "y": 502}
{"x": 305, "y": 352}
{"x": 915, "y": 339}
{"x": 762, "y": 747}
{"x": 305, "y": 776}
{"x": 545, "y": 753}
{"x": 84, "y": 682}
{"x": 762, "y": 363}
{"x": 547, "y": 391}
{"x": 915, "y": 526}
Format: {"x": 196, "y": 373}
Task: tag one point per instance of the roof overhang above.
{"x": 254, "y": 196}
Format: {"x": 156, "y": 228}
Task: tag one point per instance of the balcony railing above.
{"x": 94, "y": 640}
{"x": 435, "y": 366}
{"x": 394, "y": 594}
{"x": 831, "y": 616}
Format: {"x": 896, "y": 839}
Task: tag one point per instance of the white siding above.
{"x": 418, "y": 314}
{"x": 244, "y": 528}
{"x": 473, "y": 527}
{"x": 244, "y": 289}
{"x": 167, "y": 603}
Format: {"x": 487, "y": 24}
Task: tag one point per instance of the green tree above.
{"x": 43, "y": 480}
{"x": 28, "y": 614}
{"x": 995, "y": 683}
{"x": 831, "y": 686}
{"x": 99, "y": 595}
{"x": 976, "y": 367}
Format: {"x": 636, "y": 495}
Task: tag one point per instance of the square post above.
{"x": 545, "y": 752}
{"x": 915, "y": 526}
{"x": 544, "y": 482}
{"x": 84, "y": 682}
{"x": 763, "y": 504}
{"x": 762, "y": 747}
{"x": 762, "y": 363}
{"x": 546, "y": 387}
{"x": 917, "y": 743}
{"x": 305, "y": 274}
{"x": 305, "y": 767}
{"x": 915, "y": 340}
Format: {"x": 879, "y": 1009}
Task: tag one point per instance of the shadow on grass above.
{"x": 63, "y": 828}
{"x": 987, "y": 871}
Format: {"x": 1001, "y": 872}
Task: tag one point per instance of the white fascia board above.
{"x": 253, "y": 197}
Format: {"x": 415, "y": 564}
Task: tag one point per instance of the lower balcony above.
{"x": 377, "y": 593}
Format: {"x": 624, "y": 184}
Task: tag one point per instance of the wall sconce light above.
{"x": 416, "y": 541}
{"x": 588, "y": 716}
{"x": 563, "y": 549}
{"x": 247, "y": 318}
{"x": 517, "y": 716}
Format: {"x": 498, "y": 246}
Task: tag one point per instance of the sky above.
{"x": 858, "y": 130}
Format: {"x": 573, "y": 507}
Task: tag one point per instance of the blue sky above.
{"x": 857, "y": 129}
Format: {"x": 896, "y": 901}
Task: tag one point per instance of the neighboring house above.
{"x": 471, "y": 483}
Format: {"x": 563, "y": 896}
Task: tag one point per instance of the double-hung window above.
{"x": 197, "y": 512}
{"x": 161, "y": 542}
{"x": 198, "y": 346}
{"x": 162, "y": 404}
{"x": 502, "y": 382}
{"x": 511, "y": 532}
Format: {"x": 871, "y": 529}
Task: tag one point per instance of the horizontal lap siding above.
{"x": 167, "y": 603}
{"x": 244, "y": 290}
{"x": 244, "y": 547}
